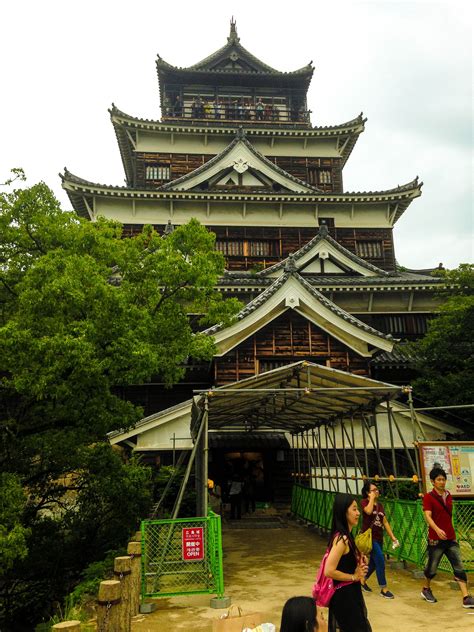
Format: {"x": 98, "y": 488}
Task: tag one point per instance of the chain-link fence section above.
{"x": 405, "y": 518}
{"x": 182, "y": 557}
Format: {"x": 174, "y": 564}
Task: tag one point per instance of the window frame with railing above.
{"x": 251, "y": 248}
{"x": 370, "y": 248}
{"x": 157, "y": 172}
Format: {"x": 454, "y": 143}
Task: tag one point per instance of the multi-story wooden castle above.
{"x": 314, "y": 265}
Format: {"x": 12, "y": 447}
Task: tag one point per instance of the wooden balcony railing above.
{"x": 234, "y": 113}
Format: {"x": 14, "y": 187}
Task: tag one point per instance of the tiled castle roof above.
{"x": 324, "y": 235}
{"x": 233, "y": 50}
{"x": 240, "y": 138}
{"x": 280, "y": 282}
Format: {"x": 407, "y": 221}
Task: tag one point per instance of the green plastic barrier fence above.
{"x": 182, "y": 557}
{"x": 405, "y": 518}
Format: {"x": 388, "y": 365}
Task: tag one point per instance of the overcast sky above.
{"x": 406, "y": 65}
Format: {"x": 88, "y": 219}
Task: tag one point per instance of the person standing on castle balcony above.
{"x": 194, "y": 108}
{"x": 232, "y": 109}
{"x": 259, "y": 108}
{"x": 207, "y": 109}
{"x": 178, "y": 107}
{"x": 199, "y": 107}
{"x": 247, "y": 111}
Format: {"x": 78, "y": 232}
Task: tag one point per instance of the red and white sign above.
{"x": 193, "y": 544}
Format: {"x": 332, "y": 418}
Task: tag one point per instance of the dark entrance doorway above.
{"x": 257, "y": 460}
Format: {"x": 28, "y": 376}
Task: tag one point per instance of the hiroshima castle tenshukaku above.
{"x": 313, "y": 264}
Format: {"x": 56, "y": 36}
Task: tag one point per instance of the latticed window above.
{"x": 157, "y": 172}
{"x": 416, "y": 324}
{"x": 231, "y": 248}
{"x": 325, "y": 177}
{"x": 265, "y": 365}
{"x": 245, "y": 248}
{"x": 260, "y": 248}
{"x": 312, "y": 175}
{"x": 369, "y": 249}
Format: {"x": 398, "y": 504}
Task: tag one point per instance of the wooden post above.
{"x": 123, "y": 570}
{"x": 136, "y": 537}
{"x": 70, "y": 626}
{"x": 134, "y": 549}
{"x": 107, "y": 602}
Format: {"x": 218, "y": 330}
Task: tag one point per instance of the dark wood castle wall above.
{"x": 289, "y": 338}
{"x": 249, "y": 247}
{"x": 155, "y": 168}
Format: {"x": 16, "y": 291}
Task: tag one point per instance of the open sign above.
{"x": 193, "y": 544}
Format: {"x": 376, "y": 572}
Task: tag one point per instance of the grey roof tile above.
{"x": 278, "y": 283}
{"x": 324, "y": 235}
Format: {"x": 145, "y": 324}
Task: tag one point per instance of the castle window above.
{"x": 265, "y": 364}
{"x": 369, "y": 249}
{"x": 157, "y": 172}
{"x": 230, "y": 248}
{"x": 319, "y": 176}
{"x": 327, "y": 221}
{"x": 245, "y": 248}
{"x": 260, "y": 248}
{"x": 325, "y": 177}
{"x": 312, "y": 176}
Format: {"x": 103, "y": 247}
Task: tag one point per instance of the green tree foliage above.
{"x": 161, "y": 479}
{"x": 83, "y": 313}
{"x": 13, "y": 535}
{"x": 446, "y": 354}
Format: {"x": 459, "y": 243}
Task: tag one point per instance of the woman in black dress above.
{"x": 347, "y": 609}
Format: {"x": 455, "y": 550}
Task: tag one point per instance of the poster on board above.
{"x": 455, "y": 458}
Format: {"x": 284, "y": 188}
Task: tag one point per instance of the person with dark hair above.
{"x": 374, "y": 518}
{"x": 299, "y": 615}
{"x": 345, "y": 563}
{"x": 438, "y": 511}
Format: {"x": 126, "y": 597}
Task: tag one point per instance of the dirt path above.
{"x": 264, "y": 567}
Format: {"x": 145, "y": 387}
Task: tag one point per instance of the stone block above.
{"x": 220, "y": 602}
{"x": 148, "y": 607}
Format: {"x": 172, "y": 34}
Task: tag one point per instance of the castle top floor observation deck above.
{"x": 232, "y": 86}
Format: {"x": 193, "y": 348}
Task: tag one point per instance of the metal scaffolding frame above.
{"x": 321, "y": 408}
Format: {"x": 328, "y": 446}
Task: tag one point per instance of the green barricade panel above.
{"x": 406, "y": 519}
{"x": 182, "y": 557}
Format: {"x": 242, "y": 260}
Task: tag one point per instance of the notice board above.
{"x": 456, "y": 458}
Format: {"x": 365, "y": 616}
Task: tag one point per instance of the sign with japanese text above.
{"x": 455, "y": 458}
{"x": 193, "y": 544}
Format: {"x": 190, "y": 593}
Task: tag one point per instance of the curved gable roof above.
{"x": 233, "y": 58}
{"x": 292, "y": 291}
{"x": 345, "y": 257}
{"x": 239, "y": 152}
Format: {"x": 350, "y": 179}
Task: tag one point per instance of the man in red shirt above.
{"x": 438, "y": 510}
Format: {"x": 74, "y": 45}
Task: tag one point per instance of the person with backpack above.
{"x": 347, "y": 567}
{"x": 374, "y": 518}
{"x": 438, "y": 512}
